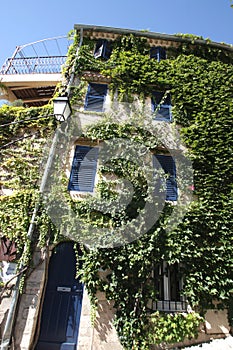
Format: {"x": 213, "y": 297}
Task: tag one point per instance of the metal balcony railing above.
{"x": 33, "y": 65}
{"x": 170, "y": 306}
{"x": 40, "y": 57}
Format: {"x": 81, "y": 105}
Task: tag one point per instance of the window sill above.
{"x": 157, "y": 119}
{"x": 79, "y": 195}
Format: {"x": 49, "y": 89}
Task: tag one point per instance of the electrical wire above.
{"x": 26, "y": 120}
{"x": 19, "y": 139}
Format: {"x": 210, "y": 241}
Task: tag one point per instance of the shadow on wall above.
{"x": 3, "y": 319}
{"x": 104, "y": 331}
{"x": 104, "y": 320}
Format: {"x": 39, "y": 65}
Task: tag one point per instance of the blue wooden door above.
{"x": 62, "y": 303}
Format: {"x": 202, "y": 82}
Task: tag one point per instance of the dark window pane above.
{"x": 158, "y": 52}
{"x": 95, "y": 97}
{"x": 164, "y": 112}
{"x": 102, "y": 49}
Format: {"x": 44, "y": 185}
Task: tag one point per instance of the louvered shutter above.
{"x": 82, "y": 177}
{"x": 164, "y": 112}
{"x": 168, "y": 165}
{"x": 95, "y": 97}
{"x": 158, "y": 52}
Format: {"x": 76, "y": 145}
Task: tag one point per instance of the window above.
{"x": 158, "y": 52}
{"x": 8, "y": 270}
{"x": 168, "y": 165}
{"x": 161, "y": 106}
{"x": 95, "y": 97}
{"x": 83, "y": 171}
{"x": 102, "y": 49}
{"x": 7, "y": 249}
{"x": 168, "y": 285}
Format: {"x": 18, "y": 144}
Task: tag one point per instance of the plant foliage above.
{"x": 201, "y": 88}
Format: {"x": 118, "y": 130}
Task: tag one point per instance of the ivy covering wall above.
{"x": 200, "y": 80}
{"x": 25, "y": 135}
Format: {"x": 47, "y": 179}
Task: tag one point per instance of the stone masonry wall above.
{"x": 29, "y": 306}
{"x": 102, "y": 335}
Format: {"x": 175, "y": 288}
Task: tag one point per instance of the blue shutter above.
{"x": 164, "y": 112}
{"x": 102, "y": 49}
{"x": 95, "y": 97}
{"x": 158, "y": 52}
{"x": 168, "y": 165}
{"x": 83, "y": 171}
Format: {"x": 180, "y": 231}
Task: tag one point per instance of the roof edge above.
{"x": 153, "y": 35}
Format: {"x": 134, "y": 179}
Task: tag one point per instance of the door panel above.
{"x": 62, "y": 302}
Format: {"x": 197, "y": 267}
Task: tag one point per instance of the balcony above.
{"x": 34, "y": 70}
{"x": 33, "y": 65}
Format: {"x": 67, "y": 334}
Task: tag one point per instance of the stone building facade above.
{"x": 21, "y": 314}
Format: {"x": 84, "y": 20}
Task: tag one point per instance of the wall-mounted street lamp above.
{"x": 61, "y": 108}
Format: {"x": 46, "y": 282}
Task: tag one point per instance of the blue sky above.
{"x": 27, "y": 21}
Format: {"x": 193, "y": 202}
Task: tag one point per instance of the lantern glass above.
{"x": 61, "y": 108}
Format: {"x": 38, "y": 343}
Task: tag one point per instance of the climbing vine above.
{"x": 201, "y": 90}
{"x": 200, "y": 82}
{"x": 24, "y": 136}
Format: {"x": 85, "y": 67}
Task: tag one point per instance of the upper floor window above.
{"x": 103, "y": 49}
{"x": 161, "y": 106}
{"x": 83, "y": 171}
{"x": 168, "y": 165}
{"x": 95, "y": 97}
{"x": 158, "y": 53}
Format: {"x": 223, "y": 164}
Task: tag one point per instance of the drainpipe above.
{"x": 7, "y": 333}
{"x": 72, "y": 76}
